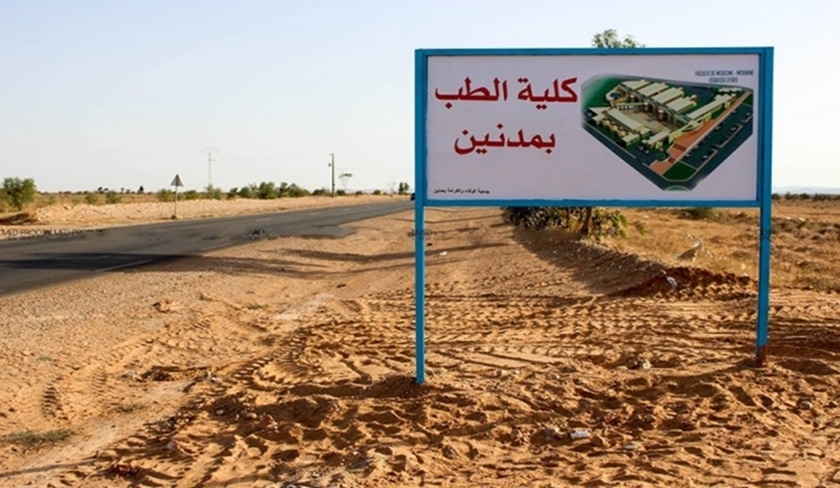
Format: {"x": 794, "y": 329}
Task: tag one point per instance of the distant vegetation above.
{"x": 17, "y": 193}
{"x": 817, "y": 197}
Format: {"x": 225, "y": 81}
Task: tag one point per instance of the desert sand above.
{"x": 290, "y": 362}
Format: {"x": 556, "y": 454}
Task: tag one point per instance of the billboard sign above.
{"x": 592, "y": 125}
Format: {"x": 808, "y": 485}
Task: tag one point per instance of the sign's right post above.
{"x": 762, "y": 327}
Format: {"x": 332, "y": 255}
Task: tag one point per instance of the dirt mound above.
{"x": 674, "y": 279}
{"x": 601, "y": 269}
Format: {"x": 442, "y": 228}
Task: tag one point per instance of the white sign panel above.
{"x": 663, "y": 127}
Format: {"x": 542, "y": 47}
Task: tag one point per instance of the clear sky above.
{"x": 123, "y": 93}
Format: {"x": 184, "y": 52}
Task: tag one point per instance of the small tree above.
{"x": 18, "y": 192}
{"x": 402, "y": 189}
{"x": 267, "y": 191}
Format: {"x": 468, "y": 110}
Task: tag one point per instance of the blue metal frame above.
{"x": 763, "y": 199}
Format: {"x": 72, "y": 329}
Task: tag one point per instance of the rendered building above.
{"x": 666, "y": 112}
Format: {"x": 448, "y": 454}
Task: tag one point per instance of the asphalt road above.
{"x": 26, "y": 264}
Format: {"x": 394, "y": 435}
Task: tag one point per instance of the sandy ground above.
{"x": 290, "y": 363}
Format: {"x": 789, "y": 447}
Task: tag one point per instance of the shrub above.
{"x": 249, "y": 191}
{"x": 91, "y": 198}
{"x": 48, "y": 199}
{"x": 321, "y": 192}
{"x": 191, "y": 195}
{"x": 340, "y": 193}
{"x": 699, "y": 213}
{"x": 214, "y": 193}
{"x": 165, "y": 195}
{"x": 267, "y": 190}
{"x": 112, "y": 197}
{"x": 293, "y": 191}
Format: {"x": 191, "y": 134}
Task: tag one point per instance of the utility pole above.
{"x": 209, "y": 151}
{"x": 332, "y": 166}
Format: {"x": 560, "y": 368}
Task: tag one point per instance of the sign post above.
{"x": 644, "y": 127}
{"x": 176, "y": 182}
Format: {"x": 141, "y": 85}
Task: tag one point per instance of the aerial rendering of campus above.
{"x": 673, "y": 133}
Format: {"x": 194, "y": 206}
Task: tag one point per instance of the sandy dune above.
{"x": 289, "y": 363}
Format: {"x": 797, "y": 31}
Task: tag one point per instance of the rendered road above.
{"x": 26, "y": 264}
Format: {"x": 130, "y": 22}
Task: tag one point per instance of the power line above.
{"x": 210, "y": 151}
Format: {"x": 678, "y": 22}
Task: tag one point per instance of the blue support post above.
{"x": 419, "y": 292}
{"x": 419, "y": 216}
{"x": 766, "y": 197}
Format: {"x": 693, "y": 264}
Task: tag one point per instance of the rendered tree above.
{"x": 18, "y": 192}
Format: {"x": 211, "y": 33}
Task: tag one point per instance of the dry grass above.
{"x": 804, "y": 250}
{"x": 29, "y": 440}
{"x": 131, "y": 407}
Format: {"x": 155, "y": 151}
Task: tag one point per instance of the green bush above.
{"x": 267, "y": 191}
{"x": 214, "y": 193}
{"x": 292, "y": 190}
{"x": 112, "y": 197}
{"x": 165, "y": 195}
{"x": 91, "y": 198}
{"x": 192, "y": 195}
{"x": 699, "y": 213}
{"x": 249, "y": 191}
